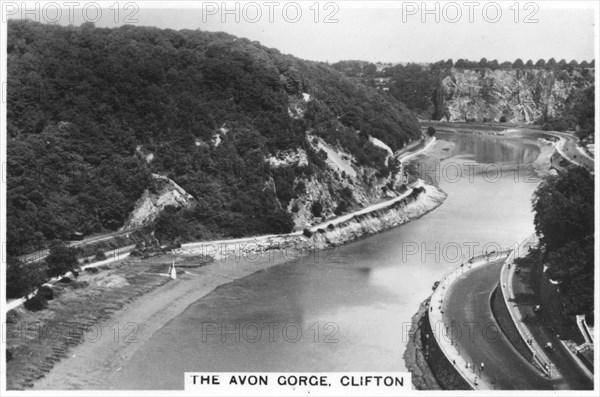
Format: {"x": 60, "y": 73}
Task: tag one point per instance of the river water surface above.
{"x": 349, "y": 310}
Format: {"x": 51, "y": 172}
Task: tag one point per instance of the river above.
{"x": 348, "y": 309}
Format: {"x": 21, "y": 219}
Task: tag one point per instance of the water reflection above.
{"x": 492, "y": 149}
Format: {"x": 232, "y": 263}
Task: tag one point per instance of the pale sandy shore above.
{"x": 90, "y": 366}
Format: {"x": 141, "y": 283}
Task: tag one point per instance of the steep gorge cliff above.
{"x": 514, "y": 95}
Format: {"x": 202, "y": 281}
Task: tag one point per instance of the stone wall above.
{"x": 443, "y": 370}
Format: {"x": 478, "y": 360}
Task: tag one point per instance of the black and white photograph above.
{"x": 298, "y": 198}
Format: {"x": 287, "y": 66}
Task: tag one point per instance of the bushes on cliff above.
{"x": 316, "y": 208}
{"x": 341, "y": 208}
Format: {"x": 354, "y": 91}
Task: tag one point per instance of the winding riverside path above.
{"x": 478, "y": 336}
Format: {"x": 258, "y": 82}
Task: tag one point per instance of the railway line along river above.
{"x": 350, "y": 309}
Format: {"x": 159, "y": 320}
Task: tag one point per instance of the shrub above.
{"x": 503, "y": 119}
{"x": 295, "y": 208}
{"x": 100, "y": 255}
{"x": 9, "y": 355}
{"x": 316, "y": 208}
{"x": 330, "y": 226}
{"x": 79, "y": 284}
{"x": 300, "y": 188}
{"x": 341, "y": 208}
{"x": 431, "y": 131}
{"x": 13, "y": 317}
{"x": 322, "y": 231}
{"x": 46, "y": 292}
{"x": 36, "y": 303}
{"x": 62, "y": 259}
{"x": 92, "y": 270}
{"x": 307, "y": 233}
{"x": 416, "y": 191}
{"x": 65, "y": 280}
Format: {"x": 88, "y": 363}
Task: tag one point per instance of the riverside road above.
{"x": 467, "y": 307}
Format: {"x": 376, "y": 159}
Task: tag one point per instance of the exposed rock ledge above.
{"x": 149, "y": 206}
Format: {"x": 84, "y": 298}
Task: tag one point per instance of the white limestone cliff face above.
{"x": 521, "y": 96}
{"x": 149, "y": 206}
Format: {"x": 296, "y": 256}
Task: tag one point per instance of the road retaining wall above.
{"x": 444, "y": 371}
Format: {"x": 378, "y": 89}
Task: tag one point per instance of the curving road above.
{"x": 568, "y": 147}
{"x": 468, "y": 312}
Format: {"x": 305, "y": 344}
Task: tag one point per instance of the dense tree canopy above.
{"x": 93, "y": 112}
{"x": 564, "y": 222}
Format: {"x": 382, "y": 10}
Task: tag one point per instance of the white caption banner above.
{"x": 298, "y": 383}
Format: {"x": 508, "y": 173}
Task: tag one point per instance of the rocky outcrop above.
{"x": 520, "y": 96}
{"x": 149, "y": 206}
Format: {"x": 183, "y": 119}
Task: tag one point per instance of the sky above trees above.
{"x": 386, "y": 31}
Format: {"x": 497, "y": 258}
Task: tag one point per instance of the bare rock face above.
{"x": 520, "y": 96}
{"x": 149, "y": 206}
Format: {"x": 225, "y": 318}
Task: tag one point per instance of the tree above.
{"x": 61, "y": 259}
{"x": 461, "y": 63}
{"x": 23, "y": 278}
{"x": 562, "y": 64}
{"x": 551, "y": 64}
{"x": 529, "y": 63}
{"x": 430, "y": 131}
{"x": 493, "y": 64}
{"x": 564, "y": 208}
{"x": 483, "y": 63}
{"x": 518, "y": 64}
{"x": 540, "y": 63}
